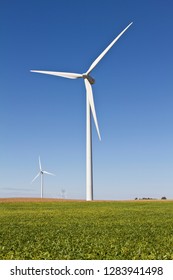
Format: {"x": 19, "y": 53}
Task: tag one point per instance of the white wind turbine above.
{"x": 41, "y": 173}
{"x": 90, "y": 107}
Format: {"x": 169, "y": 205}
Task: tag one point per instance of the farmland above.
{"x": 34, "y": 229}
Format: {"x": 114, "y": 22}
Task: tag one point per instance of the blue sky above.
{"x": 45, "y": 115}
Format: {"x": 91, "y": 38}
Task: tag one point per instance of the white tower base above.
{"x": 89, "y": 166}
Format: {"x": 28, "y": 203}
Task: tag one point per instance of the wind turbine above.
{"x": 90, "y": 108}
{"x": 41, "y": 173}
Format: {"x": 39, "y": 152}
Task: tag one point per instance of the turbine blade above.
{"x": 60, "y": 74}
{"x": 91, "y": 102}
{"x": 48, "y": 173}
{"x": 39, "y": 163}
{"x": 35, "y": 177}
{"x": 106, "y": 50}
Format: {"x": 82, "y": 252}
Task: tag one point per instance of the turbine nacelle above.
{"x": 89, "y": 78}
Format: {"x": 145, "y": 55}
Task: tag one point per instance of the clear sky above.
{"x": 45, "y": 115}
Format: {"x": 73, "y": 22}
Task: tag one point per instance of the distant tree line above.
{"x": 150, "y": 198}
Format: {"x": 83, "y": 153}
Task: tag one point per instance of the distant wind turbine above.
{"x": 90, "y": 107}
{"x": 41, "y": 173}
{"x": 63, "y": 192}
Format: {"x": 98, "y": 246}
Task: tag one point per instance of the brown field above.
{"x": 33, "y": 199}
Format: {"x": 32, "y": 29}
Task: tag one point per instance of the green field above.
{"x": 86, "y": 230}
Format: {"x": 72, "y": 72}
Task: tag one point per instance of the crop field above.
{"x": 125, "y": 230}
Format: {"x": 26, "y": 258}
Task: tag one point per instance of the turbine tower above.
{"x": 41, "y": 173}
{"x": 90, "y": 108}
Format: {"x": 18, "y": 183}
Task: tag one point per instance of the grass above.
{"x": 86, "y": 230}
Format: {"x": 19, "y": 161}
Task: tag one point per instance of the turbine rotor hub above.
{"x": 89, "y": 78}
